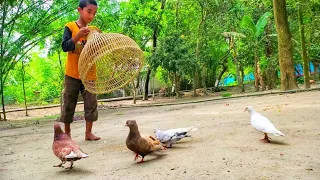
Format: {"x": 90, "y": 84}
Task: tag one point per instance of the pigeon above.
{"x": 65, "y": 148}
{"x": 172, "y": 136}
{"x": 139, "y": 143}
{"x": 262, "y": 124}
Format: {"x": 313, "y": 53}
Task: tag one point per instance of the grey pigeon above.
{"x": 172, "y": 136}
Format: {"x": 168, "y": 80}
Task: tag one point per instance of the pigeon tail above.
{"x": 193, "y": 128}
{"x": 182, "y": 133}
{"x": 74, "y": 155}
{"x": 278, "y": 133}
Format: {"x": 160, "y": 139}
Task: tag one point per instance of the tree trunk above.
{"x": 201, "y": 72}
{"x": 240, "y": 83}
{"x": 212, "y": 71}
{"x": 316, "y": 70}
{"x": 2, "y": 51}
{"x": 270, "y": 74}
{"x": 146, "y": 85}
{"x": 24, "y": 89}
{"x": 261, "y": 81}
{"x": 224, "y": 63}
{"x": 235, "y": 59}
{"x": 177, "y": 84}
{"x": 154, "y": 45}
{"x": 62, "y": 78}
{"x": 2, "y": 97}
{"x": 315, "y": 60}
{"x": 60, "y": 62}
{"x": 138, "y": 84}
{"x": 304, "y": 51}
{"x": 195, "y": 83}
{"x": 271, "y": 77}
{"x": 242, "y": 76}
{"x": 288, "y": 79}
{"x": 258, "y": 80}
{"x": 224, "y": 69}
{"x": 134, "y": 93}
{"x": 256, "y": 74}
{"x": 153, "y": 88}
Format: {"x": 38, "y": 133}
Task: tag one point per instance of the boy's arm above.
{"x": 67, "y": 42}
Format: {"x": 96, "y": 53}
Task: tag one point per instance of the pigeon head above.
{"x": 58, "y": 133}
{"x": 57, "y": 128}
{"x": 156, "y": 130}
{"x": 131, "y": 123}
{"x": 249, "y": 108}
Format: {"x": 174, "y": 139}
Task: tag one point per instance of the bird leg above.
{"x": 71, "y": 165}
{"x": 136, "y": 157}
{"x": 266, "y": 138}
{"x": 164, "y": 145}
{"x": 60, "y": 165}
{"x": 141, "y": 161}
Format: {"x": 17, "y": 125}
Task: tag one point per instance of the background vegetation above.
{"x": 188, "y": 44}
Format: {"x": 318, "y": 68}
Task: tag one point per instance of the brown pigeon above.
{"x": 141, "y": 144}
{"x": 65, "y": 148}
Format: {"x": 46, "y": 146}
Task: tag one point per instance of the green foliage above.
{"x": 163, "y": 75}
{"x": 261, "y": 24}
{"x": 188, "y": 39}
{"x": 24, "y": 26}
{"x": 258, "y": 28}
{"x": 300, "y": 80}
{"x": 173, "y": 55}
{"x": 43, "y": 81}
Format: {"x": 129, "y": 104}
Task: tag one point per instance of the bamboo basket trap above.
{"x": 109, "y": 61}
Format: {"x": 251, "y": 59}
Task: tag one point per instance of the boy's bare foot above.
{"x": 91, "y": 137}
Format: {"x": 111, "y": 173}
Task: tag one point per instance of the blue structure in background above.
{"x": 299, "y": 69}
{"x": 230, "y": 79}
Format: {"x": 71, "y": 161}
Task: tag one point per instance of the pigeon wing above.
{"x": 263, "y": 124}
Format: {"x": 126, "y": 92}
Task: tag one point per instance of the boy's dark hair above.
{"x": 84, "y": 3}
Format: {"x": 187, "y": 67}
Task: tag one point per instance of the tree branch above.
{"x": 11, "y": 28}
{"x": 17, "y": 16}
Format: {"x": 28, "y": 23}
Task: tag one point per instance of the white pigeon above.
{"x": 172, "y": 136}
{"x": 262, "y": 124}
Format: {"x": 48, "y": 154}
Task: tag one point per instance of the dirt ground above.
{"x": 224, "y": 147}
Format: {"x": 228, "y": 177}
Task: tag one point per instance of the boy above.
{"x": 74, "y": 38}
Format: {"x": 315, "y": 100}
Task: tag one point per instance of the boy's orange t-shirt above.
{"x": 73, "y": 56}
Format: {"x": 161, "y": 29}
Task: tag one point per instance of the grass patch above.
{"x": 12, "y": 124}
{"x": 27, "y": 122}
{"x": 226, "y": 94}
{"x": 119, "y": 113}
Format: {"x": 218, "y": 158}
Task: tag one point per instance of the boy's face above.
{"x": 88, "y": 13}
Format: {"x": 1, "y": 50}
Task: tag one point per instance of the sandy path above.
{"x": 224, "y": 147}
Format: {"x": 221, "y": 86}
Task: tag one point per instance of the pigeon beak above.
{"x": 245, "y": 110}
{"x": 125, "y": 125}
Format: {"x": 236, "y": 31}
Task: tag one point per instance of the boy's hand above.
{"x": 84, "y": 31}
{"x": 78, "y": 48}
